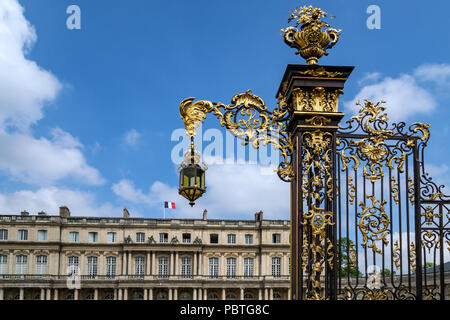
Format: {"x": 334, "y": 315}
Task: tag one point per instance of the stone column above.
{"x": 95, "y": 294}
{"x": 266, "y": 294}
{"x": 171, "y": 271}
{"x": 120, "y": 297}
{"x": 194, "y": 294}
{"x": 200, "y": 264}
{"x": 21, "y": 294}
{"x": 271, "y": 294}
{"x": 2, "y": 294}
{"x": 42, "y": 294}
{"x": 154, "y": 263}
{"x": 125, "y": 294}
{"x": 176, "y": 264}
{"x": 200, "y": 294}
{"x": 242, "y": 294}
{"x": 223, "y": 294}
{"x": 115, "y": 294}
{"x": 289, "y": 294}
{"x": 130, "y": 272}
{"x": 150, "y": 294}
{"x": 55, "y": 294}
{"x": 170, "y": 294}
{"x": 205, "y": 294}
{"x": 124, "y": 263}
{"x": 145, "y": 294}
{"x": 148, "y": 263}
{"x": 12, "y": 262}
{"x": 75, "y": 294}
{"x": 259, "y": 294}
{"x": 175, "y": 294}
{"x": 194, "y": 265}
{"x": 49, "y": 294}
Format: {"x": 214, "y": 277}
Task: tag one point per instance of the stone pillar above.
{"x": 125, "y": 294}
{"x": 200, "y": 264}
{"x": 95, "y": 294}
{"x": 150, "y": 294}
{"x": 175, "y": 294}
{"x": 266, "y": 294}
{"x": 241, "y": 294}
{"x": 145, "y": 294}
{"x": 271, "y": 294}
{"x": 170, "y": 294}
{"x": 49, "y": 294}
{"x": 154, "y": 271}
{"x": 289, "y": 294}
{"x": 205, "y": 294}
{"x": 115, "y": 294}
{"x": 75, "y": 294}
{"x": 2, "y": 294}
{"x": 200, "y": 294}
{"x": 120, "y": 296}
{"x": 259, "y": 294}
{"x": 194, "y": 294}
{"x": 171, "y": 272}
{"x": 124, "y": 263}
{"x": 21, "y": 294}
{"x": 42, "y": 294}
{"x": 130, "y": 272}
{"x": 12, "y": 262}
{"x": 176, "y": 264}
{"x": 223, "y": 294}
{"x": 194, "y": 265}
{"x": 55, "y": 294}
{"x": 148, "y": 263}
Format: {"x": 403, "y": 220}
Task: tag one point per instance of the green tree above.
{"x": 347, "y": 264}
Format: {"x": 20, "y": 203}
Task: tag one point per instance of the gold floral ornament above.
{"x": 374, "y": 224}
{"x": 248, "y": 119}
{"x": 315, "y": 36}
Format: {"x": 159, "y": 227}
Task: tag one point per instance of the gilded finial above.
{"x": 315, "y": 36}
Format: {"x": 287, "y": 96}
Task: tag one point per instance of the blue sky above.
{"x": 88, "y": 120}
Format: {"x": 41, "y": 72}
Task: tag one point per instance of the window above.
{"x": 230, "y": 296}
{"x": 23, "y": 235}
{"x": 186, "y": 238}
{"x": 213, "y": 270}
{"x": 93, "y": 236}
{"x": 248, "y": 239}
{"x": 231, "y": 267}
{"x": 140, "y": 237}
{"x": 109, "y": 296}
{"x": 248, "y": 296}
{"x": 185, "y": 296}
{"x": 3, "y": 234}
{"x": 139, "y": 266}
{"x": 112, "y": 237}
{"x": 110, "y": 267}
{"x": 42, "y": 235}
{"x": 163, "y": 266}
{"x": 276, "y": 267}
{"x": 90, "y": 296}
{"x": 214, "y": 238}
{"x": 231, "y": 238}
{"x": 21, "y": 264}
{"x": 92, "y": 267}
{"x": 72, "y": 266}
{"x": 186, "y": 267}
{"x": 248, "y": 267}
{"x": 276, "y": 296}
{"x": 73, "y": 236}
{"x": 41, "y": 265}
{"x": 276, "y": 238}
{"x": 3, "y": 264}
{"x": 163, "y": 237}
{"x": 213, "y": 296}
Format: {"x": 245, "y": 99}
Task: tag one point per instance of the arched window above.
{"x": 162, "y": 295}
{"x": 21, "y": 264}
{"x": 137, "y": 295}
{"x": 70, "y": 296}
{"x": 249, "y": 296}
{"x": 109, "y": 296}
{"x": 185, "y": 296}
{"x": 41, "y": 265}
{"x": 90, "y": 296}
{"x": 213, "y": 296}
{"x": 230, "y": 296}
{"x": 276, "y": 296}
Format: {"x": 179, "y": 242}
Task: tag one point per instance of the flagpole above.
{"x": 164, "y": 209}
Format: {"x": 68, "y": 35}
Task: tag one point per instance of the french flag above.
{"x": 169, "y": 205}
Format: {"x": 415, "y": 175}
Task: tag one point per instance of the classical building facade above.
{"x": 64, "y": 257}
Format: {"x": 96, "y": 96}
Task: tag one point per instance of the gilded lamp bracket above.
{"x": 248, "y": 119}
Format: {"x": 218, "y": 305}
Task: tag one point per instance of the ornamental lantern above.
{"x": 192, "y": 175}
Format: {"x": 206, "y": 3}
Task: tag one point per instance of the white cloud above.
{"x": 24, "y": 90}
{"x": 24, "y": 86}
{"x": 232, "y": 190}
{"x": 369, "y": 77}
{"x": 403, "y": 95}
{"x": 438, "y": 73}
{"x": 50, "y": 199}
{"x": 131, "y": 138}
{"x": 42, "y": 161}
